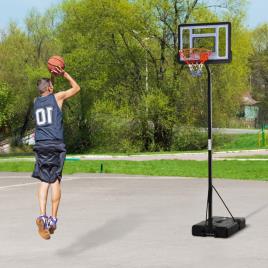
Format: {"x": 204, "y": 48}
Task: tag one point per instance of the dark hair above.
{"x": 43, "y": 84}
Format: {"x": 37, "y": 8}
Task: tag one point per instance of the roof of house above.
{"x": 247, "y": 99}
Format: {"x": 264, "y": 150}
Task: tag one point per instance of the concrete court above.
{"x": 118, "y": 221}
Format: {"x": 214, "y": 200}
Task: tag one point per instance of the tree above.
{"x": 259, "y": 69}
{"x": 23, "y": 60}
{"x": 42, "y": 33}
{"x": 6, "y": 109}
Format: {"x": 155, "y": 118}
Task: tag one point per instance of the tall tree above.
{"x": 259, "y": 69}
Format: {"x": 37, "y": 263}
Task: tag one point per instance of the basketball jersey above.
{"x": 48, "y": 119}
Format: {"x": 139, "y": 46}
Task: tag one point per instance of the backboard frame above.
{"x": 217, "y": 25}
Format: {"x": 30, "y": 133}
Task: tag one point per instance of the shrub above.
{"x": 188, "y": 138}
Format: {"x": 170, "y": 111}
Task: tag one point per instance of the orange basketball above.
{"x": 55, "y": 61}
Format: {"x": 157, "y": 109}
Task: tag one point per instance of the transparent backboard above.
{"x": 213, "y": 36}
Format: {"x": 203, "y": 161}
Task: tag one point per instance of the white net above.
{"x": 196, "y": 69}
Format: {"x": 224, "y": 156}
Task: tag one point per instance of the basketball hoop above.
{"x": 195, "y": 59}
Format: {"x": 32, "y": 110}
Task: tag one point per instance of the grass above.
{"x": 222, "y": 142}
{"x": 221, "y": 169}
{"x": 240, "y": 142}
{"x": 247, "y": 170}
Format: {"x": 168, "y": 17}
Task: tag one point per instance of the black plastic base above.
{"x": 221, "y": 227}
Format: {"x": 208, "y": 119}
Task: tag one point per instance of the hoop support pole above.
{"x": 209, "y": 95}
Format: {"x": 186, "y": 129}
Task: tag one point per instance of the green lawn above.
{"x": 239, "y": 142}
{"x": 221, "y": 169}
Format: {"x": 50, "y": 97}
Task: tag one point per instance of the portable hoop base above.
{"x": 221, "y": 227}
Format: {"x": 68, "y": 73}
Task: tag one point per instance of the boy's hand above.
{"x": 58, "y": 71}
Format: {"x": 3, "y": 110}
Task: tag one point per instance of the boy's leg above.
{"x": 55, "y": 197}
{"x": 55, "y": 200}
{"x": 42, "y": 197}
{"x": 41, "y": 221}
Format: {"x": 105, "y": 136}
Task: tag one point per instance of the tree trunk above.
{"x": 25, "y": 124}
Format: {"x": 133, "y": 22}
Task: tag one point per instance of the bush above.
{"x": 188, "y": 138}
{"x": 220, "y": 141}
{"x": 114, "y": 129}
{"x": 22, "y": 150}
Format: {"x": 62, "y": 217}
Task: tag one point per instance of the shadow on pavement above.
{"x": 257, "y": 211}
{"x": 112, "y": 230}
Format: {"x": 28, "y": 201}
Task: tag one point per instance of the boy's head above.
{"x": 44, "y": 85}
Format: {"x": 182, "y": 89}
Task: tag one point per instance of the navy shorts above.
{"x": 49, "y": 160}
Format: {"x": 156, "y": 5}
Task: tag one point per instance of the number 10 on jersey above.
{"x": 44, "y": 116}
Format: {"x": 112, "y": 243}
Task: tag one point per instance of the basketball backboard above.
{"x": 213, "y": 36}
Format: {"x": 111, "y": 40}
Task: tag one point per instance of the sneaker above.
{"x": 41, "y": 223}
{"x": 52, "y": 224}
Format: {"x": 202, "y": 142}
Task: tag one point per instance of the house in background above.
{"x": 250, "y": 110}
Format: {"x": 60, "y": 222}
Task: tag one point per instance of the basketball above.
{"x": 55, "y": 61}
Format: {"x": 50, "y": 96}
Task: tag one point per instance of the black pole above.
{"x": 209, "y": 148}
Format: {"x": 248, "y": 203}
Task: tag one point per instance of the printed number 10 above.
{"x": 44, "y": 116}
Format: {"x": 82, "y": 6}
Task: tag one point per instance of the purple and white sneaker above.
{"x": 41, "y": 223}
{"x": 52, "y": 224}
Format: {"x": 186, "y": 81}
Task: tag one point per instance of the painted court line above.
{"x": 16, "y": 185}
{"x": 30, "y": 183}
{"x": 9, "y": 187}
{"x": 12, "y": 186}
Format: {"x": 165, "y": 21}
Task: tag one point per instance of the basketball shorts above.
{"x": 49, "y": 160}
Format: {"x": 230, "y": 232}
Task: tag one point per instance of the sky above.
{"x": 257, "y": 13}
{"x": 17, "y": 10}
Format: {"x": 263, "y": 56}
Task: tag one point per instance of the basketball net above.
{"x": 195, "y": 59}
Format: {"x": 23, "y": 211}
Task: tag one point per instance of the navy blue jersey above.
{"x": 48, "y": 119}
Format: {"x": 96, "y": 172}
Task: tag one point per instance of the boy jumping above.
{"x": 49, "y": 147}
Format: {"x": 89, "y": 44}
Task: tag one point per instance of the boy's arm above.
{"x": 64, "y": 95}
